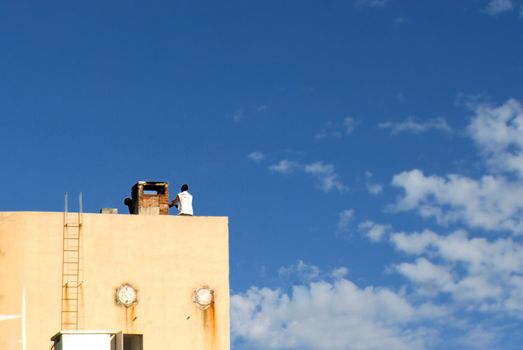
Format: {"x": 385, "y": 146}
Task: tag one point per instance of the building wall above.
{"x": 165, "y": 257}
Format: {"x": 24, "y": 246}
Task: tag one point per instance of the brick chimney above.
{"x": 149, "y": 198}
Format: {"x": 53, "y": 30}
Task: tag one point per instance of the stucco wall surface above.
{"x": 165, "y": 257}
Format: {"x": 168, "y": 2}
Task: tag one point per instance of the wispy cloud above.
{"x": 411, "y": 125}
{"x": 375, "y": 232}
{"x": 262, "y": 108}
{"x": 372, "y": 3}
{"x": 344, "y": 219}
{"x": 325, "y": 173}
{"x": 285, "y": 166}
{"x": 332, "y": 129}
{"x": 238, "y": 115}
{"x": 244, "y": 113}
{"x": 256, "y": 156}
{"x": 304, "y": 272}
{"x": 301, "y": 270}
{"x": 498, "y": 132}
{"x": 329, "y": 179}
{"x": 495, "y": 7}
{"x": 372, "y": 187}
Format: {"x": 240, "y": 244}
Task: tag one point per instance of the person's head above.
{"x": 185, "y": 187}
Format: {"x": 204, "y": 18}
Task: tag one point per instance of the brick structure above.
{"x": 149, "y": 198}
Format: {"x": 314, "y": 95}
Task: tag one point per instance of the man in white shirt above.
{"x": 183, "y": 202}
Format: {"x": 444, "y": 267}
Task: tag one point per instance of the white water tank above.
{"x": 96, "y": 340}
{"x": 84, "y": 340}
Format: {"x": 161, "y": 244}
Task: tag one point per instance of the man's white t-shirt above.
{"x": 185, "y": 204}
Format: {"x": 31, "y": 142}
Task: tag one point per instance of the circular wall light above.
{"x": 126, "y": 295}
{"x": 204, "y": 297}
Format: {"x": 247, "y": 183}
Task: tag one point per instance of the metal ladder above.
{"x": 71, "y": 261}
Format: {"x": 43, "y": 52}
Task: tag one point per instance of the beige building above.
{"x": 155, "y": 281}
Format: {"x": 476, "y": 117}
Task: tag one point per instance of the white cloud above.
{"x": 238, "y": 115}
{"x": 332, "y": 129}
{"x": 372, "y": 3}
{"x": 375, "y": 232}
{"x": 429, "y": 277}
{"x": 328, "y": 178}
{"x": 332, "y": 315}
{"x": 325, "y": 173}
{"x": 503, "y": 256}
{"x": 340, "y": 272}
{"x": 475, "y": 273}
{"x": 417, "y": 127}
{"x": 479, "y": 337}
{"x": 372, "y": 187}
{"x": 491, "y": 203}
{"x": 495, "y": 7}
{"x": 498, "y": 132}
{"x": 413, "y": 243}
{"x": 349, "y": 124}
{"x": 480, "y": 274}
{"x": 262, "y": 108}
{"x": 302, "y": 270}
{"x": 344, "y": 219}
{"x": 284, "y": 166}
{"x": 256, "y": 156}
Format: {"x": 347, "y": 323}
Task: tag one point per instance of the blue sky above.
{"x": 369, "y": 153}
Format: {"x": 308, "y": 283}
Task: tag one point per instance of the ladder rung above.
{"x": 72, "y": 225}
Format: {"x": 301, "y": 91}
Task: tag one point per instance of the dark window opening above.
{"x": 133, "y": 342}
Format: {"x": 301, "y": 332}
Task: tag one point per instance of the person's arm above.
{"x": 174, "y": 202}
